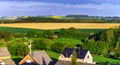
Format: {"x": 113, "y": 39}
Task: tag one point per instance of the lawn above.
{"x": 53, "y": 55}
{"x": 100, "y": 59}
{"x": 24, "y": 30}
{"x": 68, "y": 40}
{"x": 16, "y": 30}
{"x": 90, "y": 30}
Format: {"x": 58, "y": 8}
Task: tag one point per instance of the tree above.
{"x": 102, "y": 36}
{"x": 42, "y": 44}
{"x": 31, "y": 34}
{"x": 58, "y": 47}
{"x": 19, "y": 35}
{"x": 74, "y": 59}
{"x": 104, "y": 52}
{"x": 71, "y": 30}
{"x": 63, "y": 33}
{"x": 107, "y": 63}
{"x": 17, "y": 47}
{"x": 48, "y": 34}
{"x": 110, "y": 35}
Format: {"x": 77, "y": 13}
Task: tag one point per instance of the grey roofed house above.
{"x": 36, "y": 58}
{"x": 5, "y": 57}
{"x": 79, "y": 52}
{"x": 62, "y": 62}
{"x": 42, "y": 58}
{"x": 4, "y": 52}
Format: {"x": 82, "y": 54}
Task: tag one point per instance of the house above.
{"x": 83, "y": 56}
{"x": 36, "y": 58}
{"x": 62, "y": 62}
{"x": 5, "y": 57}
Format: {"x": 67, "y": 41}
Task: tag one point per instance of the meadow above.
{"x": 24, "y": 30}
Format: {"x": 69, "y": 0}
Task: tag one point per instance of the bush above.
{"x": 42, "y": 44}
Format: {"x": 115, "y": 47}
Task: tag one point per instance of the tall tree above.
{"x": 31, "y": 34}
{"x": 74, "y": 59}
{"x": 48, "y": 34}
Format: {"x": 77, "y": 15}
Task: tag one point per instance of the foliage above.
{"x": 68, "y": 40}
{"x": 105, "y": 43}
{"x": 42, "y": 44}
{"x": 74, "y": 58}
{"x": 53, "y": 55}
{"x": 17, "y": 47}
{"x": 31, "y": 34}
{"x": 48, "y": 34}
{"x": 59, "y": 47}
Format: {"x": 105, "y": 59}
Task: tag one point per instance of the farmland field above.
{"x": 24, "y": 30}
{"x": 100, "y": 59}
{"x": 63, "y": 25}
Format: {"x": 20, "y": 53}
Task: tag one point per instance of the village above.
{"x": 84, "y": 57}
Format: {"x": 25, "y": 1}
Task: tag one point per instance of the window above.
{"x": 2, "y": 63}
{"x": 88, "y": 57}
{"x": 28, "y": 61}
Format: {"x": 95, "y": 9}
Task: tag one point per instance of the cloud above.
{"x": 70, "y": 1}
{"x": 16, "y": 8}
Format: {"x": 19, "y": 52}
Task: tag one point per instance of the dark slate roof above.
{"x": 62, "y": 62}
{"x": 79, "y": 52}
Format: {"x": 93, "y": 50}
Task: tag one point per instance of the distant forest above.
{"x": 63, "y": 19}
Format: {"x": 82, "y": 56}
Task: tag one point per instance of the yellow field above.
{"x": 63, "y": 25}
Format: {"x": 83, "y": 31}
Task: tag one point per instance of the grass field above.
{"x": 24, "y": 30}
{"x": 63, "y": 25}
{"x": 100, "y": 59}
{"x": 17, "y": 30}
{"x": 53, "y": 55}
{"x": 68, "y": 40}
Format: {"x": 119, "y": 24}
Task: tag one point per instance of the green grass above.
{"x": 53, "y": 55}
{"x": 68, "y": 40}
{"x": 16, "y": 59}
{"x": 100, "y": 59}
{"x": 17, "y": 30}
{"x": 90, "y": 30}
{"x": 24, "y": 30}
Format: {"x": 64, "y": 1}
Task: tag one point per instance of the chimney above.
{"x": 30, "y": 47}
{"x": 78, "y": 50}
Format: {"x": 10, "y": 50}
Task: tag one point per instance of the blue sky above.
{"x": 59, "y": 7}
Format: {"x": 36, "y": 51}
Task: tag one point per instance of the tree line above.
{"x": 64, "y": 19}
{"x": 104, "y": 43}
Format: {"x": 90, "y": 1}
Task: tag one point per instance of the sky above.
{"x": 59, "y": 7}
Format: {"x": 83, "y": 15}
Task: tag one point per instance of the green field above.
{"x": 17, "y": 30}
{"x": 100, "y": 59}
{"x": 90, "y": 30}
{"x": 53, "y": 55}
{"x": 24, "y": 30}
{"x": 68, "y": 40}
